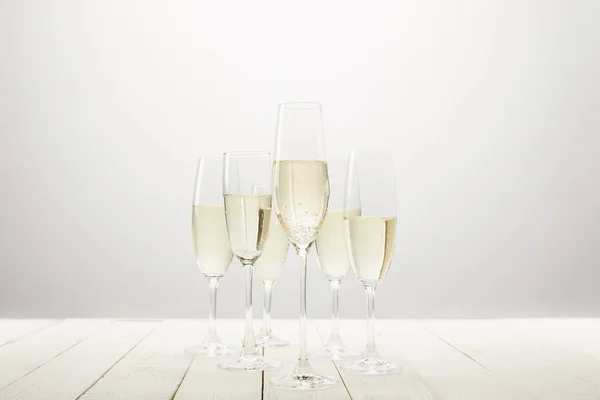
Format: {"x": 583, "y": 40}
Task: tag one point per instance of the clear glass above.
{"x": 370, "y": 239}
{"x": 268, "y": 268}
{"x": 247, "y": 216}
{"x": 300, "y": 198}
{"x": 211, "y": 245}
{"x": 332, "y": 256}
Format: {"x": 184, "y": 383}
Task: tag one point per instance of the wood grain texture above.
{"x": 154, "y": 369}
{"x": 204, "y": 380}
{"x": 14, "y": 329}
{"x": 288, "y": 330}
{"x": 23, "y": 356}
{"x": 73, "y": 372}
{"x": 579, "y": 335}
{"x": 496, "y": 345}
{"x": 406, "y": 384}
{"x": 571, "y": 349}
{"x": 433, "y": 369}
{"x": 442, "y": 360}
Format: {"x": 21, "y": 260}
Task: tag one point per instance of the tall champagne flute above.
{"x": 248, "y": 216}
{"x": 211, "y": 244}
{"x": 332, "y": 256}
{"x": 268, "y": 268}
{"x": 301, "y": 195}
{"x": 370, "y": 238}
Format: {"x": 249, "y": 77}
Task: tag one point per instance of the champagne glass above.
{"x": 211, "y": 244}
{"x": 332, "y": 256}
{"x": 247, "y": 215}
{"x": 268, "y": 268}
{"x": 370, "y": 238}
{"x": 301, "y": 194}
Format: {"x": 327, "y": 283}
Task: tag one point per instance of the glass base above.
{"x": 270, "y": 341}
{"x": 215, "y": 349}
{"x": 370, "y": 366}
{"x": 251, "y": 363}
{"x": 335, "y": 352}
{"x": 305, "y": 382}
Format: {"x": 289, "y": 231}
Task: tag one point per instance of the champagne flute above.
{"x": 211, "y": 244}
{"x": 248, "y": 216}
{"x": 268, "y": 268}
{"x": 301, "y": 194}
{"x": 370, "y": 238}
{"x": 332, "y": 256}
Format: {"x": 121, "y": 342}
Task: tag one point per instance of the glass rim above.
{"x": 300, "y": 105}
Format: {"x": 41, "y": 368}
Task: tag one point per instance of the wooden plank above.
{"x": 580, "y": 335}
{"x": 288, "y": 329}
{"x": 31, "y": 352}
{"x": 14, "y": 329}
{"x": 406, "y": 384}
{"x": 561, "y": 345}
{"x": 494, "y": 344}
{"x": 495, "y": 360}
{"x": 431, "y": 368}
{"x": 204, "y": 380}
{"x": 73, "y": 372}
{"x": 558, "y": 357}
{"x": 155, "y": 368}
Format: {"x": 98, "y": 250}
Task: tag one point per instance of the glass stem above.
{"x": 249, "y": 348}
{"x": 212, "y": 324}
{"x": 268, "y": 287}
{"x": 370, "y": 350}
{"x": 303, "y": 369}
{"x": 335, "y": 297}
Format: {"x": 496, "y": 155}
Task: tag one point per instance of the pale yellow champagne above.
{"x": 248, "y": 217}
{"x": 270, "y": 264}
{"x": 301, "y": 193}
{"x": 211, "y": 242}
{"x": 370, "y": 242}
{"x": 331, "y": 244}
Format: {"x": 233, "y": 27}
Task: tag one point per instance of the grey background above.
{"x": 491, "y": 109}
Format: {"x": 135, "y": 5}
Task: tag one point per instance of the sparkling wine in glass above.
{"x": 332, "y": 256}
{"x": 248, "y": 217}
{"x": 370, "y": 239}
{"x": 301, "y": 195}
{"x": 211, "y": 244}
{"x": 268, "y": 268}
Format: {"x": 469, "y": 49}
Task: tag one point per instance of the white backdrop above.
{"x": 491, "y": 108}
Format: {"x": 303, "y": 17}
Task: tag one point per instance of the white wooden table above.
{"x": 144, "y": 359}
